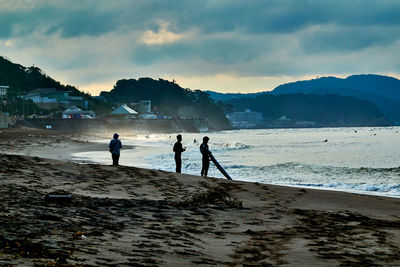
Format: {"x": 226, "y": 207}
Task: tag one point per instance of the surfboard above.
{"x": 219, "y": 167}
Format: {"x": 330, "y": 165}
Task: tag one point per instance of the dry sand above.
{"x": 125, "y": 216}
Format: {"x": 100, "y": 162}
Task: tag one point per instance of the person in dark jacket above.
{"x": 115, "y": 146}
{"x": 206, "y": 156}
{"x": 178, "y": 149}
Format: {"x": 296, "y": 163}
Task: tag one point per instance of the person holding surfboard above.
{"x": 206, "y": 156}
{"x": 178, "y": 149}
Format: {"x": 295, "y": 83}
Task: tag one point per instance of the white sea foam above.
{"x": 363, "y": 160}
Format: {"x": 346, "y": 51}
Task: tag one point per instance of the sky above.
{"x": 220, "y": 45}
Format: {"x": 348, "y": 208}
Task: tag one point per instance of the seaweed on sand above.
{"x": 214, "y": 196}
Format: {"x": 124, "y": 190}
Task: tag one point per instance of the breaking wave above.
{"x": 232, "y": 146}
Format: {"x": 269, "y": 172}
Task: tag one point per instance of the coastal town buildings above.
{"x": 246, "y": 119}
{"x": 51, "y": 98}
{"x": 74, "y": 112}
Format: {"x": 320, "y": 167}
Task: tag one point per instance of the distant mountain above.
{"x": 385, "y": 86}
{"x": 383, "y": 91}
{"x": 326, "y": 110}
{"x": 170, "y": 98}
{"x": 227, "y": 96}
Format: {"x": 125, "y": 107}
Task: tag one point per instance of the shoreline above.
{"x": 139, "y": 149}
{"x": 73, "y": 144}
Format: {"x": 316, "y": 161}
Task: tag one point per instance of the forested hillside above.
{"x": 325, "y": 109}
{"x": 169, "y": 99}
{"x": 383, "y": 91}
{"x": 23, "y": 79}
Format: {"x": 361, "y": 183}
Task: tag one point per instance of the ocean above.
{"x": 358, "y": 160}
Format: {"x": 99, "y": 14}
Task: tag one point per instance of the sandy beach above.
{"x": 126, "y": 216}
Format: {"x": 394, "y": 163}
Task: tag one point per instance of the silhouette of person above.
{"x": 115, "y": 146}
{"x": 178, "y": 149}
{"x": 206, "y": 156}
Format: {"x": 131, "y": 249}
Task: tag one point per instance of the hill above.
{"x": 383, "y": 91}
{"x": 385, "y": 86}
{"x": 326, "y": 110}
{"x": 23, "y": 79}
{"x": 227, "y": 96}
{"x": 169, "y": 99}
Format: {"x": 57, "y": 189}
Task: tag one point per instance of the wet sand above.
{"x": 126, "y": 216}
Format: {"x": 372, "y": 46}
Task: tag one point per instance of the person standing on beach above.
{"x": 178, "y": 149}
{"x": 206, "y": 156}
{"x": 115, "y": 146}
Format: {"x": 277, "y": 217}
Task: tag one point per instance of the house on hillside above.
{"x": 74, "y": 112}
{"x": 76, "y": 101}
{"x": 51, "y": 98}
{"x": 124, "y": 111}
{"x": 3, "y": 91}
{"x": 47, "y": 98}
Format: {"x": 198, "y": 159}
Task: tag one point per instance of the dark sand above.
{"x": 125, "y": 216}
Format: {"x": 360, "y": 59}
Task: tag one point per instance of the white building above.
{"x": 246, "y": 119}
{"x": 3, "y": 90}
{"x": 124, "y": 110}
{"x": 40, "y": 99}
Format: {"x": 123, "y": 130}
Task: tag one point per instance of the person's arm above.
{"x": 208, "y": 152}
{"x": 120, "y": 144}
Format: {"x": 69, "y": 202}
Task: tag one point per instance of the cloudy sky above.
{"x": 221, "y": 45}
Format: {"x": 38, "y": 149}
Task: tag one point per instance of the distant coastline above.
{"x": 107, "y": 125}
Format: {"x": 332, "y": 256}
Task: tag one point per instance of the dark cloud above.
{"x": 6, "y": 22}
{"x": 83, "y": 23}
{"x": 207, "y": 37}
{"x": 257, "y": 16}
{"x": 342, "y": 39}
{"x": 213, "y": 50}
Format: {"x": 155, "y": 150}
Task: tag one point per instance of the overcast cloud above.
{"x": 220, "y": 45}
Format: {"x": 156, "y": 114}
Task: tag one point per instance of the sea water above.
{"x": 361, "y": 160}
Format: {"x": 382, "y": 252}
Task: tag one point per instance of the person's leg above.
{"x": 207, "y": 165}
{"x": 115, "y": 158}
{"x": 204, "y": 169}
{"x": 178, "y": 163}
